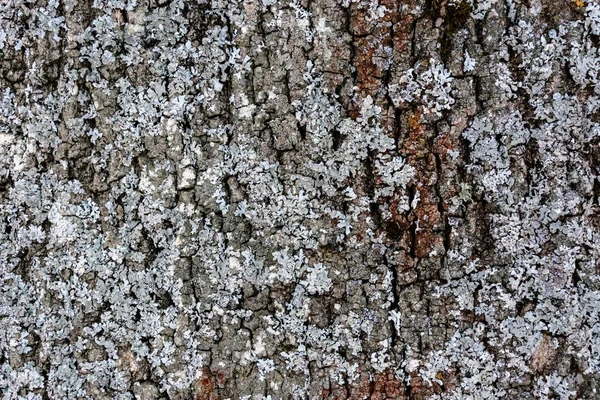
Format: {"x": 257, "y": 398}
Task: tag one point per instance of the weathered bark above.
{"x": 315, "y": 199}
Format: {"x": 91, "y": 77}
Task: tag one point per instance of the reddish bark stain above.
{"x": 205, "y": 386}
{"x": 385, "y": 386}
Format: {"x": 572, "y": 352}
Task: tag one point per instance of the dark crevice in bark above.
{"x": 413, "y": 224}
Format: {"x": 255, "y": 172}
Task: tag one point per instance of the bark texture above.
{"x": 306, "y": 199}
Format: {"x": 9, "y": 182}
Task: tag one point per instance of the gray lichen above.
{"x": 260, "y": 199}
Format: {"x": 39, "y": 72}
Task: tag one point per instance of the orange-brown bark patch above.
{"x": 205, "y": 386}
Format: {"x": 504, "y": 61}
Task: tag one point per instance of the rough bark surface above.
{"x": 306, "y": 199}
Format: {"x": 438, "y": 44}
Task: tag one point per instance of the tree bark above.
{"x": 311, "y": 199}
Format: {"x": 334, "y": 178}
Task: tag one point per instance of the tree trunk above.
{"x": 307, "y": 199}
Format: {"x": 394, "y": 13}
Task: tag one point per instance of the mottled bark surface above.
{"x": 307, "y": 199}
